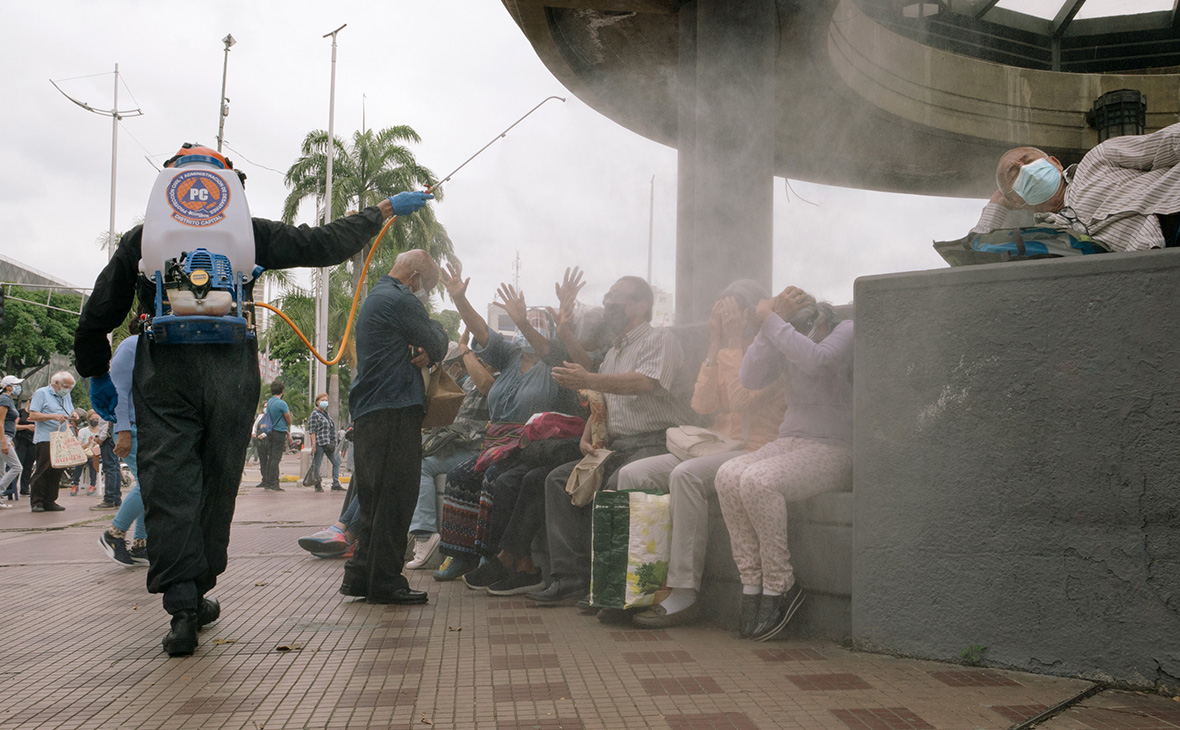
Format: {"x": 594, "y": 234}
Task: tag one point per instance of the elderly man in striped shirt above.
{"x": 1125, "y": 193}
{"x": 640, "y": 378}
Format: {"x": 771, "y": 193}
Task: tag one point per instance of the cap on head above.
{"x": 10, "y": 380}
{"x": 199, "y": 153}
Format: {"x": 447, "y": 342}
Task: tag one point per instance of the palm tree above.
{"x": 376, "y": 165}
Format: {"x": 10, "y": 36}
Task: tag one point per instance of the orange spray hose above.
{"x": 356, "y": 297}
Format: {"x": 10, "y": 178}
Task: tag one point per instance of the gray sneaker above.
{"x": 104, "y": 507}
{"x": 116, "y": 549}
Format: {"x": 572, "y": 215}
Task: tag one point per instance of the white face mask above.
{"x": 422, "y": 294}
{"x": 323, "y": 404}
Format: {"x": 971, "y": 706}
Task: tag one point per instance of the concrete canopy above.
{"x": 868, "y": 97}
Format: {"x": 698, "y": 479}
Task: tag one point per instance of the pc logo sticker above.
{"x": 198, "y": 198}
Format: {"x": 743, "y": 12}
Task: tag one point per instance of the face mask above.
{"x": 94, "y": 422}
{"x": 1037, "y": 182}
{"x": 614, "y": 317}
{"x": 324, "y": 404}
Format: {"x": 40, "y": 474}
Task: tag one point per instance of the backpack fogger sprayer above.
{"x": 197, "y": 250}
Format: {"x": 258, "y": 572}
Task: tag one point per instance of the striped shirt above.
{"x": 1116, "y": 193}
{"x": 655, "y": 353}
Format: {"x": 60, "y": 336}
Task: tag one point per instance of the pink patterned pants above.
{"x": 754, "y": 490}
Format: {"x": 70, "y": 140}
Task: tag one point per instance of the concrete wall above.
{"x": 1017, "y": 473}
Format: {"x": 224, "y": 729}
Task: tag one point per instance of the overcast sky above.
{"x": 568, "y": 186}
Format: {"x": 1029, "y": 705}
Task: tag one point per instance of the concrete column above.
{"x": 726, "y": 149}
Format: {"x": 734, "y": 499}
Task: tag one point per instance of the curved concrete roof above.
{"x": 860, "y": 101}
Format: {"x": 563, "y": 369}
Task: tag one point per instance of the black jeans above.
{"x": 388, "y": 459}
{"x": 274, "y": 446}
{"x": 46, "y": 479}
{"x": 193, "y": 408}
{"x": 112, "y": 477}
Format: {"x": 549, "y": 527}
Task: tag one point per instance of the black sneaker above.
{"x": 488, "y": 573}
{"x": 139, "y": 554}
{"x": 517, "y": 583}
{"x": 116, "y": 549}
{"x": 749, "y": 614}
{"x": 775, "y": 612}
{"x": 104, "y": 506}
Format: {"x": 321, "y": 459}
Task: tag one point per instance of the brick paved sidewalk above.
{"x": 80, "y": 648}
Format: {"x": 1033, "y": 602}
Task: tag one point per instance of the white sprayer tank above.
{"x": 197, "y": 205}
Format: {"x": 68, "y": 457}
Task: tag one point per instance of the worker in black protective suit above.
{"x": 194, "y": 402}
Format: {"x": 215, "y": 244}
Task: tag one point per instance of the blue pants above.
{"x": 132, "y": 507}
{"x": 426, "y": 511}
{"x": 318, "y": 458}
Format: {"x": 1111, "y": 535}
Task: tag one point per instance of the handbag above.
{"x": 586, "y": 478}
{"x": 65, "y": 450}
{"x": 443, "y": 398}
{"x": 630, "y": 548}
{"x": 693, "y": 442}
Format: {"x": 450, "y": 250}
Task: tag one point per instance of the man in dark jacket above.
{"x": 394, "y": 338}
{"x": 194, "y": 404}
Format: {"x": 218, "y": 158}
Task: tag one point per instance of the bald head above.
{"x": 415, "y": 262}
{"x": 1008, "y": 170}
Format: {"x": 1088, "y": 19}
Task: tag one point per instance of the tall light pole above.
{"x": 115, "y": 116}
{"x": 321, "y": 332}
{"x": 223, "y": 111}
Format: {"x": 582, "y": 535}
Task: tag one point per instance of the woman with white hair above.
{"x": 804, "y": 341}
{"x": 50, "y": 410}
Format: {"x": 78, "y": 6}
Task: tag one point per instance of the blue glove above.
{"x": 406, "y": 203}
{"x": 103, "y": 396}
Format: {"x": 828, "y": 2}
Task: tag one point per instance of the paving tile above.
{"x": 530, "y": 692}
{"x": 676, "y": 656}
{"x": 828, "y": 682}
{"x": 974, "y": 678}
{"x": 548, "y": 723}
{"x": 640, "y": 635}
{"x": 1017, "y": 714}
{"x": 714, "y": 721}
{"x": 535, "y": 661}
{"x": 673, "y": 686}
{"x": 790, "y": 655}
{"x": 882, "y": 718}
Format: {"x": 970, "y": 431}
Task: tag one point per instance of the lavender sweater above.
{"x": 819, "y": 382}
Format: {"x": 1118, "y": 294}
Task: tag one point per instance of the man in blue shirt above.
{"x": 50, "y": 410}
{"x": 394, "y": 338}
{"x": 279, "y": 438}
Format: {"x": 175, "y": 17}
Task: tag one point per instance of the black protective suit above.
{"x": 194, "y": 404}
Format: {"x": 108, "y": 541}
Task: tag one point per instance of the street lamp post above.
{"x": 115, "y": 116}
{"x": 321, "y": 336}
{"x": 223, "y": 111}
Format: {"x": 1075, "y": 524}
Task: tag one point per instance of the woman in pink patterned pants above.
{"x": 812, "y": 455}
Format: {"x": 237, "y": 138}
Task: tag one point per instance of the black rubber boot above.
{"x": 181, "y": 639}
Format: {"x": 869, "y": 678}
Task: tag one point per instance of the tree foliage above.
{"x": 33, "y": 333}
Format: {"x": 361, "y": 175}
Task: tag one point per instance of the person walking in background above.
{"x": 8, "y": 455}
{"x": 24, "y": 444}
{"x": 112, "y": 481}
{"x": 113, "y": 541}
{"x": 323, "y": 429}
{"x": 279, "y": 439}
{"x": 86, "y": 438}
{"x": 50, "y": 410}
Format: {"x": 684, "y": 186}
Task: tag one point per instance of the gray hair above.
{"x": 814, "y": 317}
{"x": 61, "y": 376}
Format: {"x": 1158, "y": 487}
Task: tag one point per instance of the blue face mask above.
{"x": 1037, "y": 182}
{"x": 16, "y": 390}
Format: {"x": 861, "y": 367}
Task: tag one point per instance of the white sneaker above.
{"x": 424, "y": 551}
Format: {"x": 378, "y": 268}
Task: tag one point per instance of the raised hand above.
{"x": 513, "y": 302}
{"x": 571, "y": 284}
{"x": 452, "y": 279}
{"x": 790, "y": 301}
